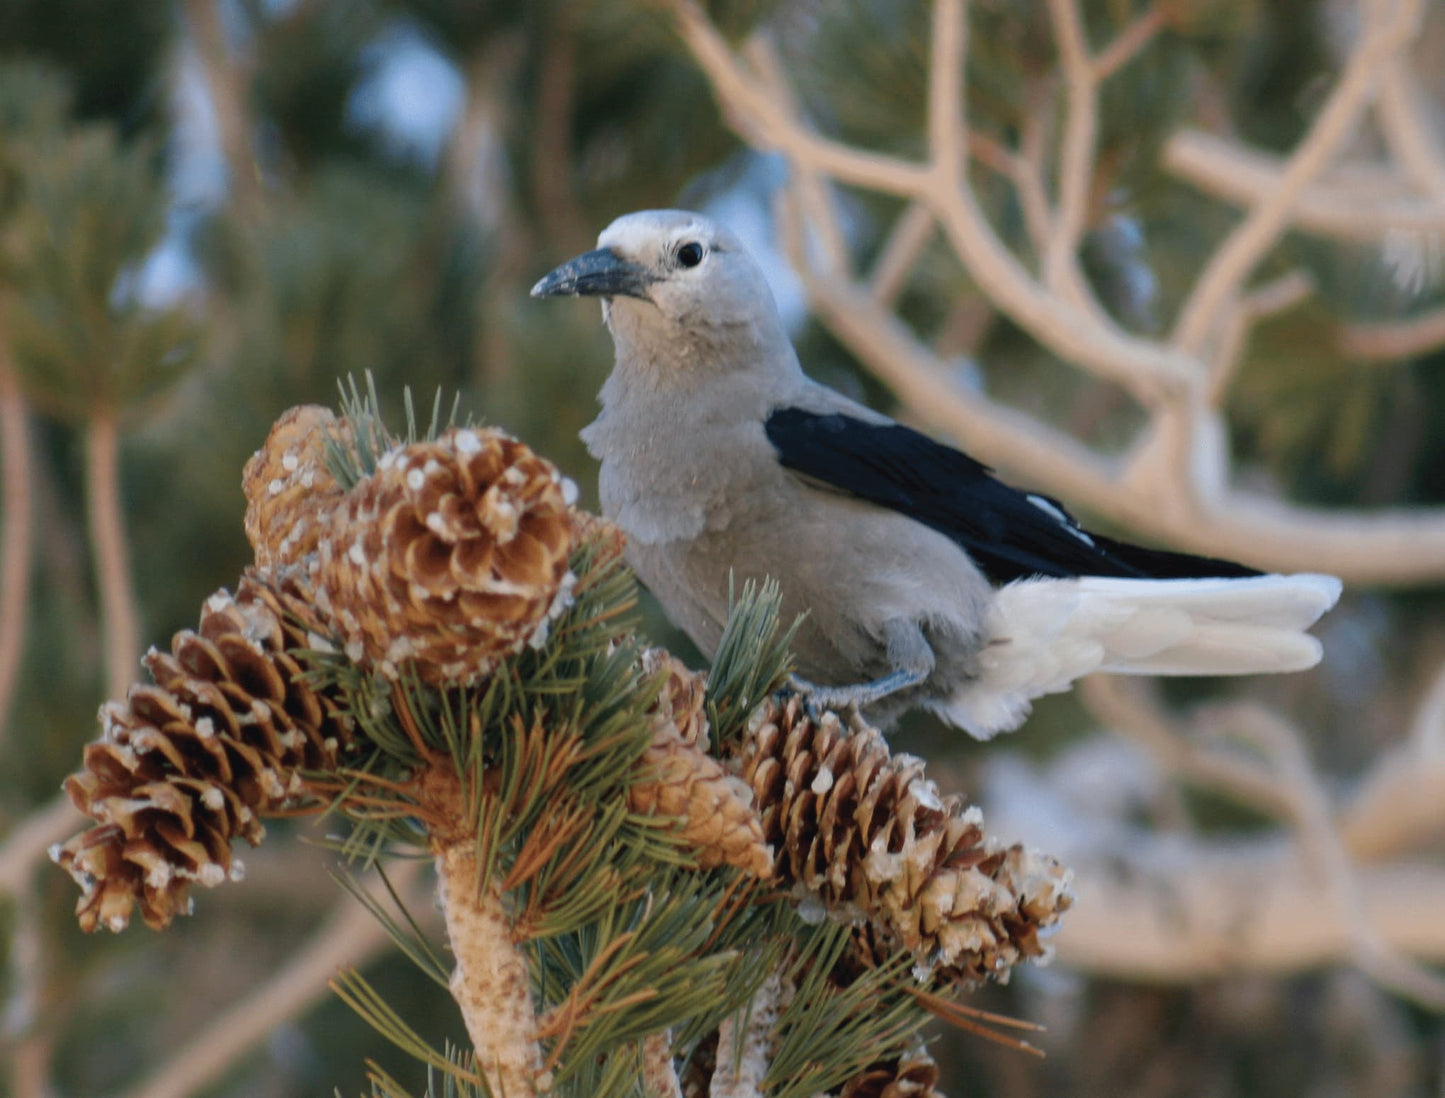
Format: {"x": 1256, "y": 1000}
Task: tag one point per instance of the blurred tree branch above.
{"x": 228, "y": 81}
{"x": 112, "y": 553}
{"x": 349, "y": 936}
{"x": 1173, "y": 485}
{"x": 28, "y": 841}
{"x": 1175, "y": 909}
{"x": 18, "y": 529}
{"x": 1340, "y": 887}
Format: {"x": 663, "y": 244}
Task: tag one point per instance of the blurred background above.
{"x": 211, "y": 210}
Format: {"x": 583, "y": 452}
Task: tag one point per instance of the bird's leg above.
{"x": 909, "y": 655}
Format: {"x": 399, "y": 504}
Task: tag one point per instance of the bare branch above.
{"x": 227, "y": 86}
{"x": 947, "y": 111}
{"x": 910, "y": 235}
{"x": 764, "y": 122}
{"x": 1131, "y": 707}
{"x": 112, "y": 555}
{"x": 1076, "y": 157}
{"x": 16, "y": 533}
{"x": 1400, "y": 804}
{"x": 1369, "y": 950}
{"x": 1278, "y": 780}
{"x": 1233, "y": 261}
{"x": 1146, "y": 370}
{"x": 1181, "y": 910}
{"x": 349, "y": 936}
{"x": 1401, "y": 110}
{"x": 25, "y": 1031}
{"x": 1275, "y": 296}
{"x": 553, "y": 181}
{"x": 1391, "y": 341}
{"x": 1023, "y": 170}
{"x": 1363, "y": 204}
{"x": 29, "y": 842}
{"x": 811, "y": 186}
{"x": 1130, "y": 42}
{"x": 1401, "y": 545}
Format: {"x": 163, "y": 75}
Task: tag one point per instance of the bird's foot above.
{"x": 844, "y": 698}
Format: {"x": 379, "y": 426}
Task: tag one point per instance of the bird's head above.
{"x": 670, "y": 280}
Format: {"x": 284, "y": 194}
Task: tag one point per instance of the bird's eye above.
{"x": 690, "y": 254}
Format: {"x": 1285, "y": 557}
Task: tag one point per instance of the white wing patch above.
{"x": 1045, "y": 633}
{"x": 1055, "y": 512}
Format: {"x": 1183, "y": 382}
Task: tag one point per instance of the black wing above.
{"x": 1008, "y": 533}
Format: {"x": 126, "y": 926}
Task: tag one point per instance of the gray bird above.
{"x": 926, "y": 582}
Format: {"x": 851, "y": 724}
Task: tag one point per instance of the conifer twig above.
{"x": 659, "y": 1067}
{"x": 744, "y": 1043}
{"x": 491, "y": 982}
{"x": 15, "y": 530}
{"x": 112, "y": 555}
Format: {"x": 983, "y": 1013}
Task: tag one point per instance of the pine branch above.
{"x": 600, "y": 864}
{"x": 491, "y": 983}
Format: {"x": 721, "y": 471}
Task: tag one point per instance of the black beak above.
{"x": 600, "y": 273}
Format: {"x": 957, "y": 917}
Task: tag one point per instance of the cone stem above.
{"x": 491, "y": 983}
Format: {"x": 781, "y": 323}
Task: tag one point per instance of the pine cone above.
{"x": 683, "y": 697}
{"x": 915, "y": 1075}
{"x": 715, "y": 808}
{"x": 866, "y": 832}
{"x": 289, "y": 490}
{"x": 677, "y": 776}
{"x": 191, "y": 763}
{"x": 451, "y": 556}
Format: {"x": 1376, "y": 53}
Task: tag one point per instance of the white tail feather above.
{"x": 1045, "y": 633}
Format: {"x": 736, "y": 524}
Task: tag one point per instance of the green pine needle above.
{"x": 402, "y": 929}
{"x": 353, "y": 989}
{"x": 752, "y": 659}
{"x": 827, "y": 1034}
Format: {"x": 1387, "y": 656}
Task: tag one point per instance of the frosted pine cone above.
{"x": 451, "y": 556}
{"x": 715, "y": 809}
{"x": 865, "y": 832}
{"x": 194, "y": 761}
{"x": 289, "y": 490}
{"x": 677, "y": 776}
{"x": 683, "y": 697}
{"x": 914, "y": 1075}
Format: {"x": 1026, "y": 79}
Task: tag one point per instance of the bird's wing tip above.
{"x": 1326, "y": 588}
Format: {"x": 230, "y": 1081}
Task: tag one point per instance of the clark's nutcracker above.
{"x": 926, "y": 581}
